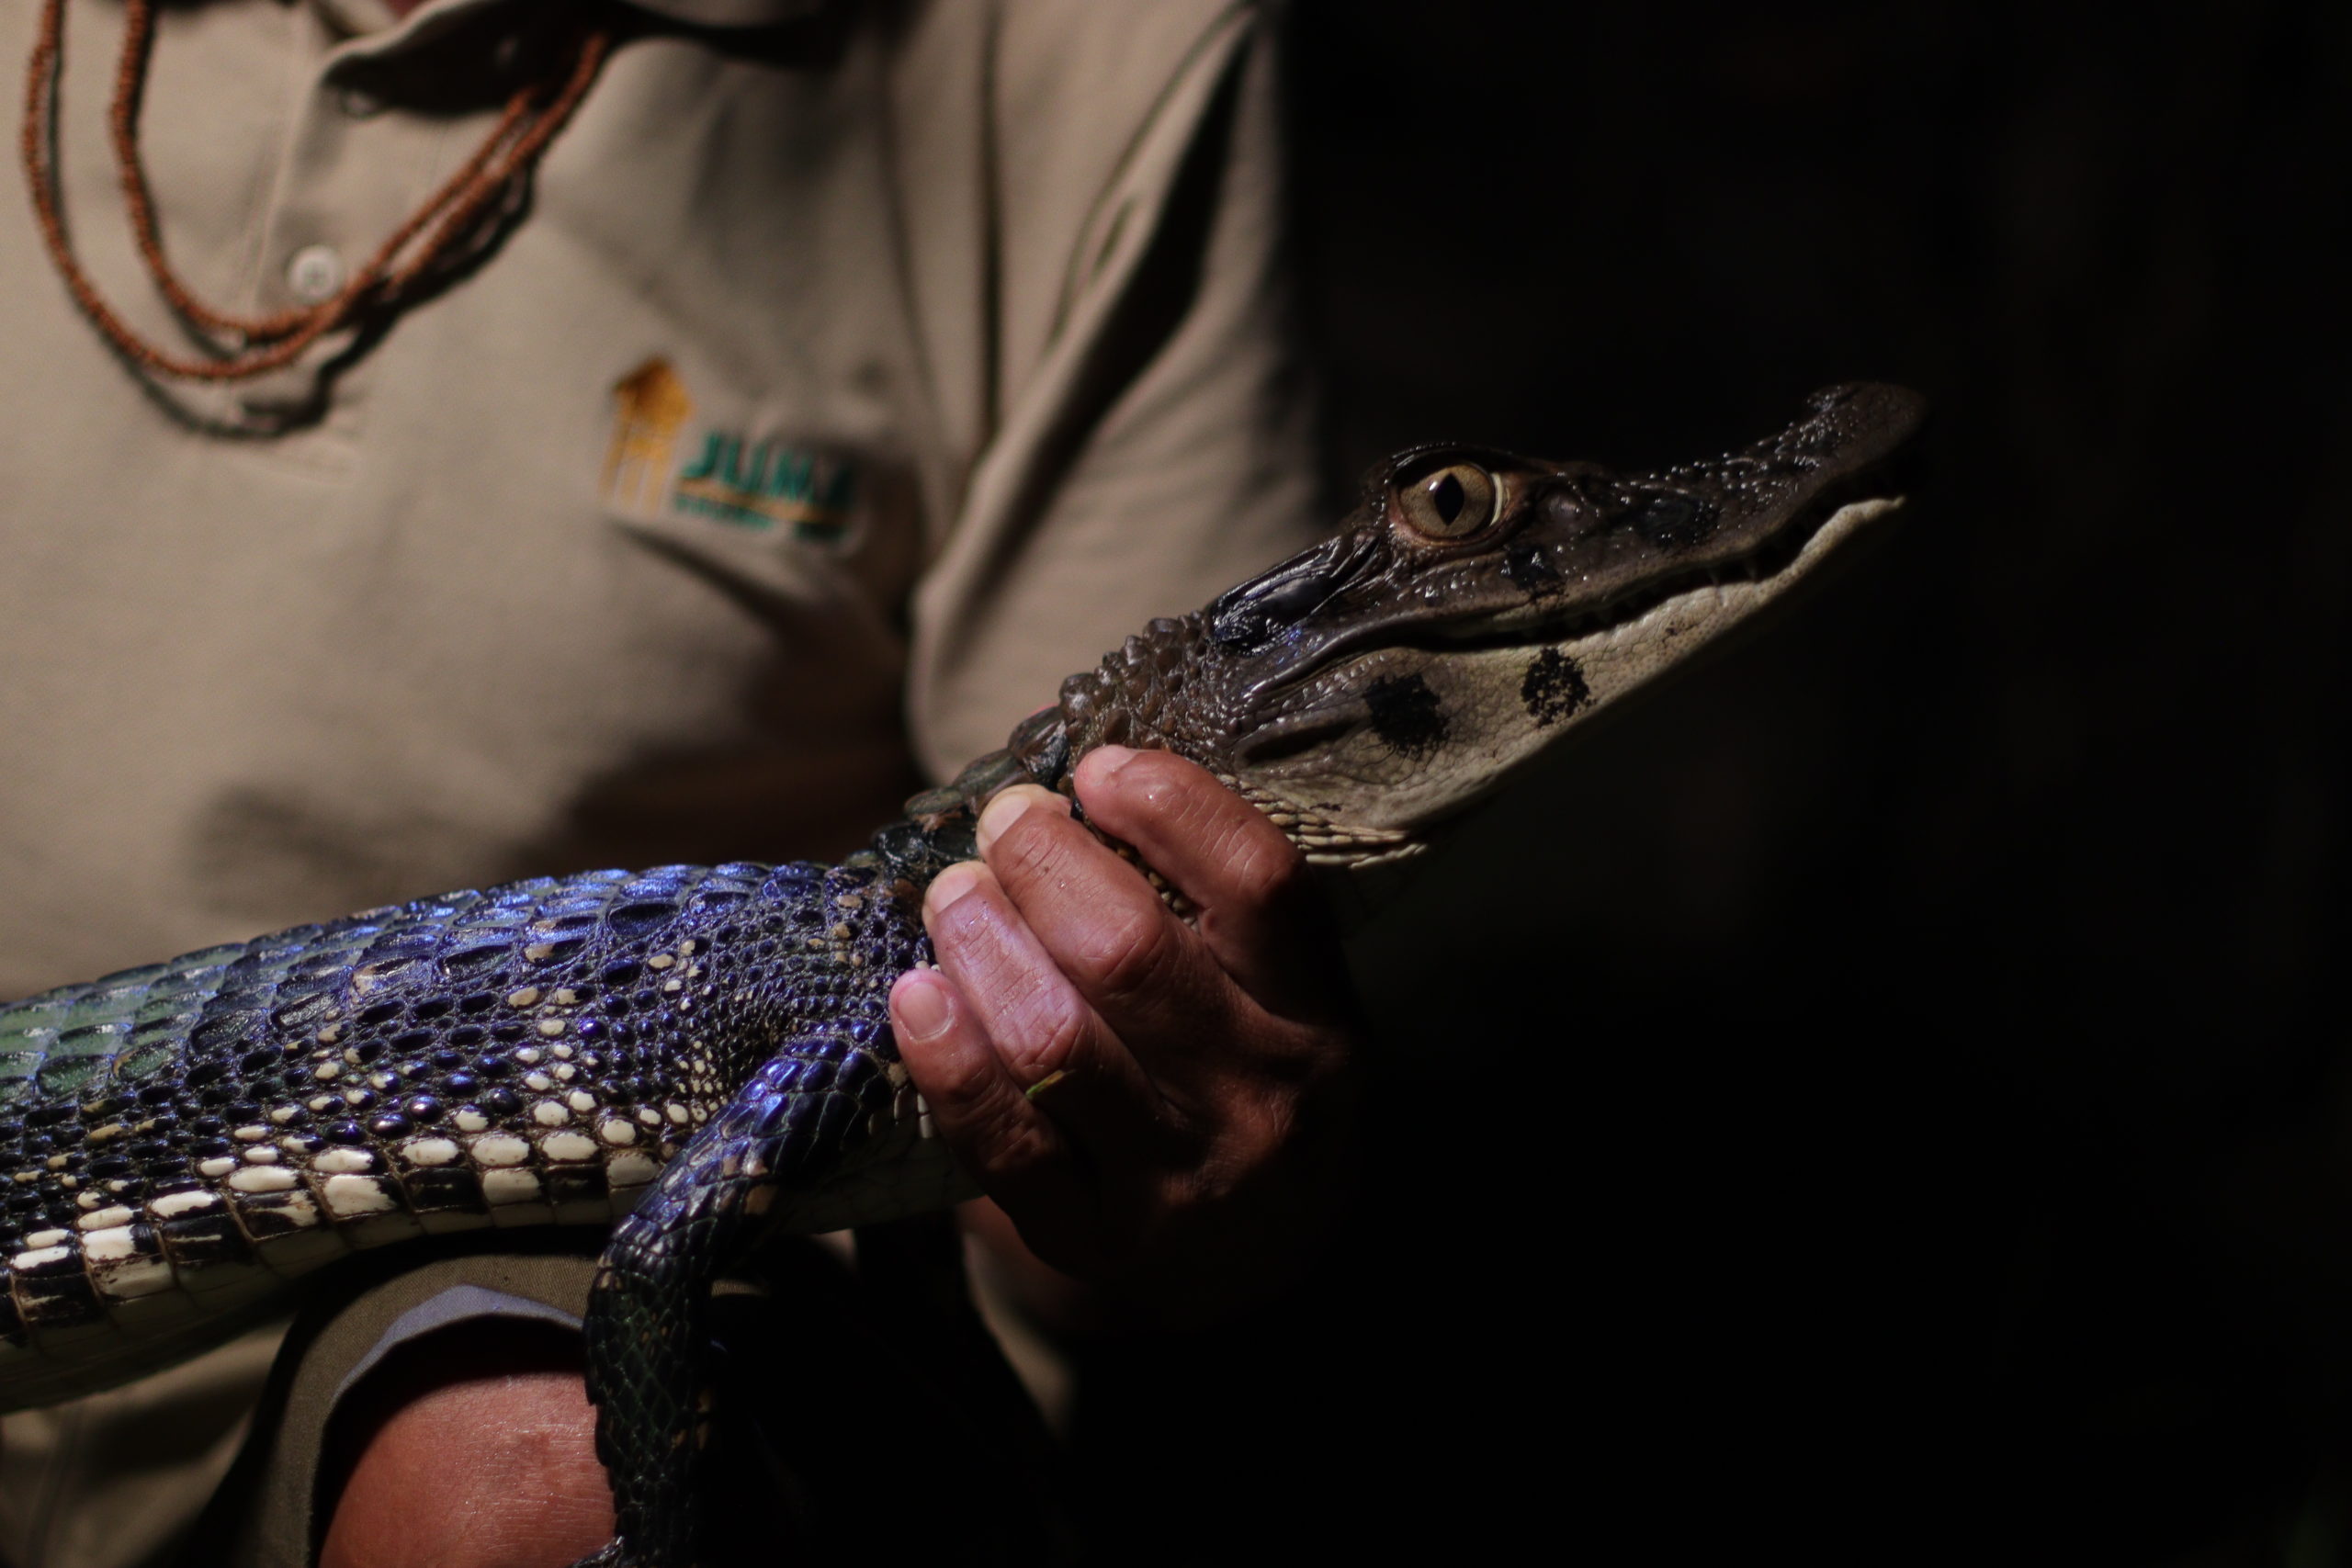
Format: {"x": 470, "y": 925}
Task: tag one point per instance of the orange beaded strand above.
{"x": 263, "y": 344}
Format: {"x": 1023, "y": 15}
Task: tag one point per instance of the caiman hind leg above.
{"x": 820, "y": 1098}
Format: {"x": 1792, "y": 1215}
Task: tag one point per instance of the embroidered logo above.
{"x": 762, "y": 484}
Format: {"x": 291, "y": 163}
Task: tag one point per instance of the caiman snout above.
{"x": 1477, "y": 605}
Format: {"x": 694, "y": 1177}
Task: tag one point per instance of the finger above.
{"x": 1259, "y": 913}
{"x": 1137, "y": 966}
{"x": 1051, "y": 1043}
{"x": 997, "y": 1133}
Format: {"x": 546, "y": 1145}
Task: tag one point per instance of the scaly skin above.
{"x": 705, "y": 1055}
{"x": 683, "y": 1046}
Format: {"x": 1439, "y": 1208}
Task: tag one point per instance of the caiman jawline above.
{"x": 1818, "y": 530}
{"x": 1525, "y": 626}
{"x": 1770, "y": 555}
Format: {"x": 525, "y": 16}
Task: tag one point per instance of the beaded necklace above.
{"x": 247, "y": 346}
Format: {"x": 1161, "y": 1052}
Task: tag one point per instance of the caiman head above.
{"x": 1477, "y": 607}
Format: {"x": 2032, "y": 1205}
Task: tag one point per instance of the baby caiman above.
{"x": 697, "y": 1057}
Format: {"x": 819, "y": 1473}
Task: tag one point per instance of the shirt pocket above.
{"x": 736, "y": 487}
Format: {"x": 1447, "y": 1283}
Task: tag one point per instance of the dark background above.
{"x": 1884, "y": 1099}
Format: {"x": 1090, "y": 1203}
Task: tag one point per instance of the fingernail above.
{"x": 922, "y": 1008}
{"x": 950, "y": 886}
{"x": 1009, "y": 806}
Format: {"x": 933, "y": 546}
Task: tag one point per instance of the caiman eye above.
{"x": 1452, "y": 503}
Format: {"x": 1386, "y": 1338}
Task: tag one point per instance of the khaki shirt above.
{"x": 851, "y": 374}
{"x": 845, "y": 383}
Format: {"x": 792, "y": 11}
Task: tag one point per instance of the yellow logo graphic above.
{"x": 651, "y": 406}
{"x": 759, "y": 485}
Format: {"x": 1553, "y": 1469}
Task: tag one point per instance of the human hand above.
{"x": 1163, "y": 1110}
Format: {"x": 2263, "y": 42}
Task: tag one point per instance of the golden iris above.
{"x": 1452, "y": 503}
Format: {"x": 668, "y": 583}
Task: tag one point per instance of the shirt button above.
{"x": 358, "y": 103}
{"x": 314, "y": 276}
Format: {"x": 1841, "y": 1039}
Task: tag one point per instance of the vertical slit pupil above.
{"x": 1447, "y": 496}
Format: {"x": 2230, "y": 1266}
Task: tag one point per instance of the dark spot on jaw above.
{"x": 1407, "y": 715}
{"x": 1553, "y": 688}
